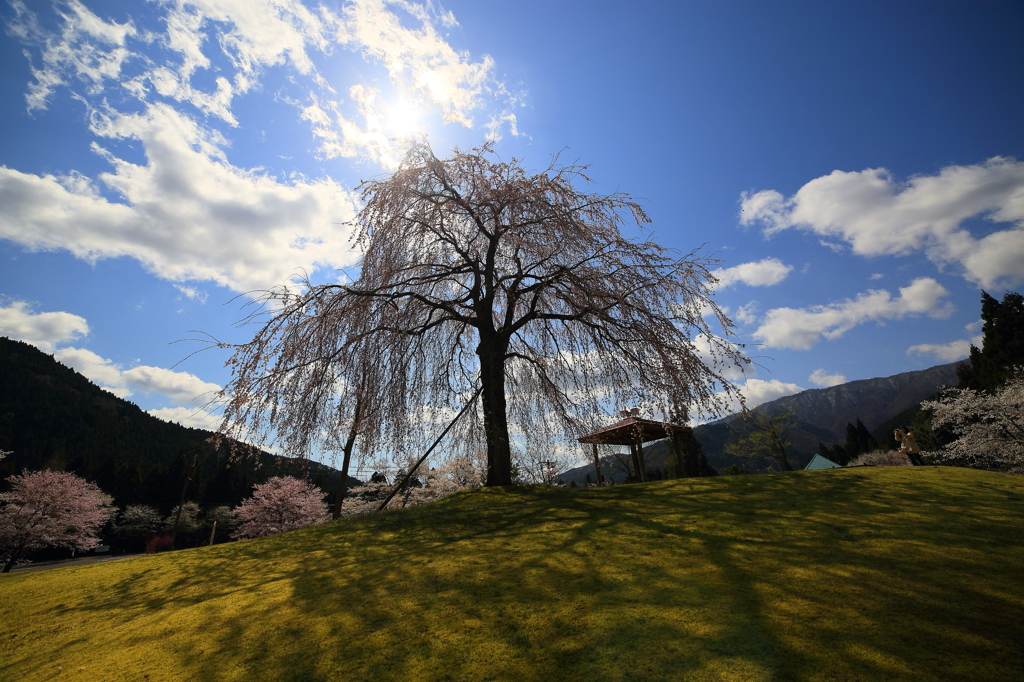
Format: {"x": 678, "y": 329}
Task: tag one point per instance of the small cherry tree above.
{"x": 282, "y": 503}
{"x": 49, "y": 509}
{"x": 989, "y": 426}
{"x": 138, "y": 523}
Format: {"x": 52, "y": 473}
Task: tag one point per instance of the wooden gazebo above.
{"x": 634, "y": 432}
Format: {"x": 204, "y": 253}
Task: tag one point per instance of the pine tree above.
{"x": 865, "y": 441}
{"x": 1003, "y": 345}
{"x": 852, "y": 446}
{"x": 693, "y": 453}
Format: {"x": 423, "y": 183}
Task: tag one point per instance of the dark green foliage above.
{"x": 52, "y": 417}
{"x": 859, "y": 441}
{"x": 836, "y": 453}
{"x": 1003, "y": 347}
{"x": 865, "y": 440}
{"x": 693, "y": 454}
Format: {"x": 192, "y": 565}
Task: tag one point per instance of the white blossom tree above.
{"x": 283, "y": 503}
{"x": 138, "y": 523}
{"x": 989, "y": 426}
{"x": 49, "y": 509}
{"x": 188, "y": 522}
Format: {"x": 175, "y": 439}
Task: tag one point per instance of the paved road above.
{"x": 71, "y": 562}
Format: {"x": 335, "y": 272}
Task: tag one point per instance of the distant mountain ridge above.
{"x": 873, "y": 401}
{"x": 822, "y": 414}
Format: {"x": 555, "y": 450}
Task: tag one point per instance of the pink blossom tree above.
{"x": 49, "y": 509}
{"x": 282, "y": 503}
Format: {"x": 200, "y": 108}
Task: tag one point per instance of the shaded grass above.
{"x": 891, "y": 574}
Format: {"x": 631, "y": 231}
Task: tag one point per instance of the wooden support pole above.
{"x": 640, "y": 457}
{"x": 597, "y": 466}
{"x": 448, "y": 428}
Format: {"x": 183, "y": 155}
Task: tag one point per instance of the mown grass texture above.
{"x": 901, "y": 573}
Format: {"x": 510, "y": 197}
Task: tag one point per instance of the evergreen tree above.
{"x": 1003, "y": 345}
{"x": 865, "y": 441}
{"x": 702, "y": 461}
{"x": 692, "y": 454}
{"x": 852, "y": 445}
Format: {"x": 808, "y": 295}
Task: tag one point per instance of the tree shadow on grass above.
{"x": 816, "y": 575}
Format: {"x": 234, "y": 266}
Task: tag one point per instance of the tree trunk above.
{"x": 492, "y": 380}
{"x": 347, "y": 450}
{"x": 13, "y": 559}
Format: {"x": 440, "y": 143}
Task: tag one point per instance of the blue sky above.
{"x": 857, "y": 167}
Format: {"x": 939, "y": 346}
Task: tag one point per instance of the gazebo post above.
{"x": 640, "y": 456}
{"x": 597, "y": 466}
{"x": 636, "y": 460}
{"x": 679, "y": 455}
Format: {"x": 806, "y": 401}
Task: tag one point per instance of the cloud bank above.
{"x": 802, "y": 328}
{"x": 188, "y": 213}
{"x": 875, "y": 215}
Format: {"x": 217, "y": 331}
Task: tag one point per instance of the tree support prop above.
{"x": 429, "y": 450}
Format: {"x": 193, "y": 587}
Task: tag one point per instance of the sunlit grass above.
{"x": 887, "y": 574}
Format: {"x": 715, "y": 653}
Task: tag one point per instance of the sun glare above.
{"x": 403, "y": 119}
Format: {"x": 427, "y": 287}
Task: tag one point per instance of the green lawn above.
{"x": 869, "y": 574}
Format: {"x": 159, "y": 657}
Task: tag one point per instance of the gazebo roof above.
{"x": 632, "y": 430}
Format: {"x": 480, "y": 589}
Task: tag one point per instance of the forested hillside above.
{"x": 53, "y": 417}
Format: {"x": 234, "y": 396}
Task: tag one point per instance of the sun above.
{"x": 403, "y": 119}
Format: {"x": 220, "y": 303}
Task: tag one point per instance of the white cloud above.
{"x": 181, "y": 388}
{"x": 801, "y": 328}
{"x": 746, "y": 314}
{"x": 192, "y": 293}
{"x": 758, "y": 391}
{"x": 418, "y": 60}
{"x": 756, "y": 274}
{"x": 99, "y": 370}
{"x": 405, "y": 38}
{"x": 876, "y": 275}
{"x": 947, "y": 352}
{"x": 89, "y": 50}
{"x": 190, "y": 215}
{"x": 188, "y": 416}
{"x": 46, "y": 330}
{"x": 43, "y": 330}
{"x": 820, "y": 378}
{"x": 876, "y": 215}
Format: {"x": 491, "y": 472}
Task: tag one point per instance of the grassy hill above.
{"x": 849, "y": 574}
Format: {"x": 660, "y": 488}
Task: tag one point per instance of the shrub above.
{"x": 881, "y": 458}
{"x": 159, "y": 543}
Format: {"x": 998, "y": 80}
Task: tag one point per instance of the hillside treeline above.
{"x": 52, "y": 417}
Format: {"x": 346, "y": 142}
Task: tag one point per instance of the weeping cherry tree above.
{"x": 476, "y": 274}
